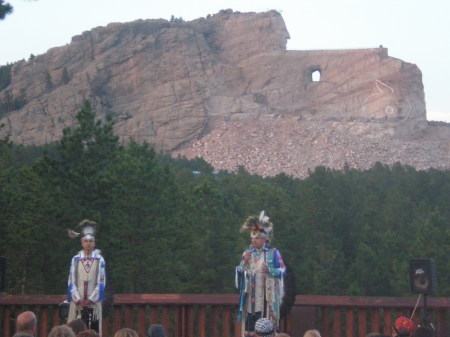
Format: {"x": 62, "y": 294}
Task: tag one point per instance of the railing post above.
{"x": 349, "y": 322}
{"x": 337, "y": 322}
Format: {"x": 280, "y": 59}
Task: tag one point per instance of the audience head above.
{"x": 77, "y": 325}
{"x": 88, "y": 333}
{"x": 423, "y": 331}
{"x": 264, "y": 328}
{"x": 156, "y": 330}
{"x": 373, "y": 334}
{"x": 312, "y": 333}
{"x": 403, "y": 326}
{"x": 282, "y": 334}
{"x": 26, "y": 322}
{"x": 125, "y": 332}
{"x": 61, "y": 331}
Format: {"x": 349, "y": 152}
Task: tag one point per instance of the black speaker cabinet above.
{"x": 422, "y": 275}
{"x": 2, "y": 274}
{"x": 63, "y": 309}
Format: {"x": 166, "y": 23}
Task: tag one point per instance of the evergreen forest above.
{"x": 171, "y": 225}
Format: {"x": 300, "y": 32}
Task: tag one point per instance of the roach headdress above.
{"x": 259, "y": 226}
{"x": 87, "y": 230}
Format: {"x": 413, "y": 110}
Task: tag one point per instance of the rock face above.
{"x": 225, "y": 87}
{"x": 159, "y": 79}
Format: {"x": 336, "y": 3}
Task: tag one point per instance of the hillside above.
{"x": 225, "y": 88}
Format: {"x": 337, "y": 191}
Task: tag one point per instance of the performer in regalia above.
{"x": 259, "y": 277}
{"x": 87, "y": 279}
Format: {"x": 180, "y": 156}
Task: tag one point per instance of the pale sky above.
{"x": 415, "y": 31}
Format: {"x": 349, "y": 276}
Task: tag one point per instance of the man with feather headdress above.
{"x": 86, "y": 285}
{"x": 259, "y": 276}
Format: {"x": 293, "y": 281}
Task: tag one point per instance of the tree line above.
{"x": 171, "y": 225}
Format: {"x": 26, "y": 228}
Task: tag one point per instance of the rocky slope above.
{"x": 294, "y": 147}
{"x": 225, "y": 88}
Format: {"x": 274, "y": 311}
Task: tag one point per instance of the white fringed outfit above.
{"x": 87, "y": 282}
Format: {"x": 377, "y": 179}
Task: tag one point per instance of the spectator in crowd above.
{"x": 77, "y": 325}
{"x": 403, "y": 327}
{"x": 312, "y": 333}
{"x": 156, "y": 330}
{"x": 61, "y": 331}
{"x": 423, "y": 331}
{"x": 282, "y": 334}
{"x": 125, "y": 332}
{"x": 88, "y": 333}
{"x": 264, "y": 328}
{"x": 26, "y": 325}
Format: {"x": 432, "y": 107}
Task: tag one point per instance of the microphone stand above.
{"x": 425, "y": 320}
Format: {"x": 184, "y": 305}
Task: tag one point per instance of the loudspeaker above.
{"x": 422, "y": 275}
{"x": 63, "y": 309}
{"x": 2, "y": 273}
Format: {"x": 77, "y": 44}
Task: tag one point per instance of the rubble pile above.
{"x": 294, "y": 148}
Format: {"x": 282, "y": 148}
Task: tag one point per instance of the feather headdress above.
{"x": 87, "y": 230}
{"x": 259, "y": 226}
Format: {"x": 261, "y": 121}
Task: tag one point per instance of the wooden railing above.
{"x": 214, "y": 315}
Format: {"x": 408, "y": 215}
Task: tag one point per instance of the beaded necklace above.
{"x": 258, "y": 253}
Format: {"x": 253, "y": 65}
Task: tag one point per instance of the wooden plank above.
{"x": 201, "y": 299}
{"x": 166, "y": 320}
{"x": 288, "y": 324}
{"x": 43, "y": 322}
{"x": 105, "y": 328}
{"x": 362, "y": 322}
{"x": 337, "y": 322}
{"x": 153, "y": 314}
{"x": 117, "y": 317}
{"x": 178, "y": 326}
{"x": 31, "y": 299}
{"x": 214, "y": 331}
{"x": 237, "y": 329}
{"x": 349, "y": 322}
{"x": 129, "y": 317}
{"x": 232, "y": 299}
{"x": 443, "y": 326}
{"x": 202, "y": 322}
{"x": 375, "y": 321}
{"x": 190, "y": 318}
{"x": 226, "y": 322}
{"x": 141, "y": 321}
{"x": 367, "y": 302}
{"x": 387, "y": 328}
{"x": 304, "y": 319}
{"x": 7, "y": 322}
{"x": 56, "y": 320}
{"x": 325, "y": 322}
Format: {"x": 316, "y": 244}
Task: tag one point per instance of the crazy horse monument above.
{"x": 225, "y": 88}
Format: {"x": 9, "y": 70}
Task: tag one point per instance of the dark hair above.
{"x": 156, "y": 330}
{"x": 77, "y": 325}
{"x": 423, "y": 331}
{"x": 88, "y": 333}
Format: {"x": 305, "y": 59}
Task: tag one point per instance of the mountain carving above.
{"x": 225, "y": 88}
